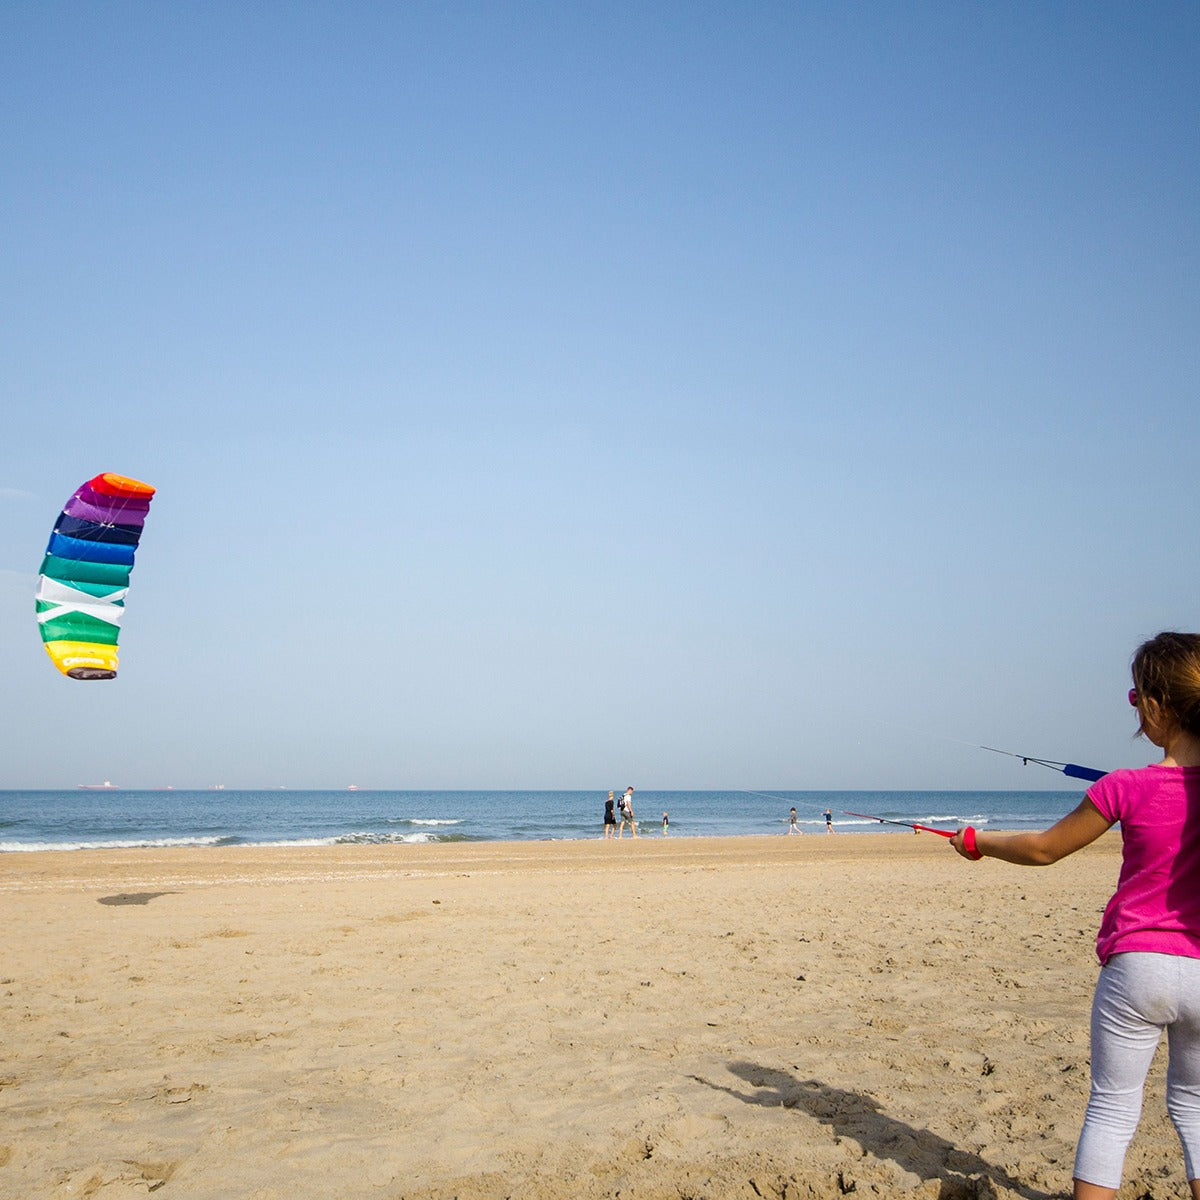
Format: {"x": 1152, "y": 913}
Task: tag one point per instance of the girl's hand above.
{"x": 958, "y": 841}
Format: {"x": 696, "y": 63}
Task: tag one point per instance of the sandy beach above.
{"x": 671, "y": 1018}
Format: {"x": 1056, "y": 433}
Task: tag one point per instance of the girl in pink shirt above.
{"x": 1149, "y": 939}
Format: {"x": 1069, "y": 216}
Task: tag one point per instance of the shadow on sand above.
{"x": 852, "y": 1115}
{"x": 133, "y": 897}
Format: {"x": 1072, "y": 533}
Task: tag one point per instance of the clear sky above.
{"x": 785, "y": 395}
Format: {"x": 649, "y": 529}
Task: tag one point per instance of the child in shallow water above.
{"x": 1149, "y": 939}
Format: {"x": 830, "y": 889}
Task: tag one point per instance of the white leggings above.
{"x": 1137, "y": 997}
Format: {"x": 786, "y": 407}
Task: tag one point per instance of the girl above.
{"x": 1149, "y": 939}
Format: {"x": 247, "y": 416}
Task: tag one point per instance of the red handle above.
{"x": 946, "y": 833}
{"x": 969, "y": 843}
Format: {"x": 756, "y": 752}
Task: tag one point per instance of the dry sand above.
{"x": 671, "y": 1018}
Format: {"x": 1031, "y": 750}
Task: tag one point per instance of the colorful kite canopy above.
{"x": 85, "y": 574}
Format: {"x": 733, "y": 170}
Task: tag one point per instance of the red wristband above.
{"x": 969, "y": 843}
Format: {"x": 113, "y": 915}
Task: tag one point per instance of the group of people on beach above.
{"x": 622, "y": 809}
{"x": 624, "y": 806}
{"x": 793, "y": 828}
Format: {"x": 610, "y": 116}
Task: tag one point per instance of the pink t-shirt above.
{"x": 1156, "y": 906}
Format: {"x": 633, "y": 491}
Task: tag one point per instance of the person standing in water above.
{"x": 1149, "y": 938}
{"x": 627, "y": 813}
{"x": 666, "y": 824}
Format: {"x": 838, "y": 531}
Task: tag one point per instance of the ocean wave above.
{"x": 979, "y": 818}
{"x": 367, "y": 839}
{"x": 424, "y": 821}
{"x": 390, "y": 839}
{"x": 7, "y": 847}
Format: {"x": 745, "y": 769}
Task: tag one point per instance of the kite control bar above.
{"x": 1073, "y": 770}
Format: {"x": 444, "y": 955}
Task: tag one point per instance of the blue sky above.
{"x": 703, "y": 395}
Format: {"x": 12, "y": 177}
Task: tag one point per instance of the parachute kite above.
{"x": 85, "y": 574}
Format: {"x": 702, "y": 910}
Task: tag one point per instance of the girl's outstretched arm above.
{"x": 1076, "y": 830}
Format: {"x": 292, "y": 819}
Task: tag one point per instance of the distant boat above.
{"x": 352, "y": 788}
{"x": 97, "y": 787}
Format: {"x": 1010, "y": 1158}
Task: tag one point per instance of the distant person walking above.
{"x": 610, "y": 816}
{"x": 627, "y": 813}
{"x": 828, "y": 821}
{"x": 792, "y": 827}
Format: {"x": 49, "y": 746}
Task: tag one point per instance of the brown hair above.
{"x": 1166, "y": 670}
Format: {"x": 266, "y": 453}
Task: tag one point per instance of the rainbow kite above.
{"x": 85, "y": 574}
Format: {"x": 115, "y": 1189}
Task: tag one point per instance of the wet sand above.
{"x": 671, "y": 1018}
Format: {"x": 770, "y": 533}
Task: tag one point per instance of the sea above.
{"x": 113, "y": 818}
